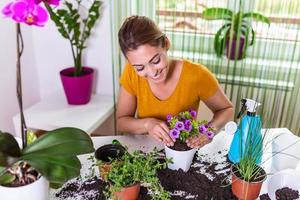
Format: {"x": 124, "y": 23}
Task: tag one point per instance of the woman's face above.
{"x": 150, "y": 62}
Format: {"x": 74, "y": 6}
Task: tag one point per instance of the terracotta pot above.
{"x": 105, "y": 154}
{"x": 245, "y": 190}
{"x": 128, "y": 193}
{"x": 78, "y": 89}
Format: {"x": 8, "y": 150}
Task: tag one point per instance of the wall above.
{"x": 53, "y": 53}
{"x": 46, "y": 53}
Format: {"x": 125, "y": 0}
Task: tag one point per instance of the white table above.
{"x": 146, "y": 143}
{"x": 54, "y": 112}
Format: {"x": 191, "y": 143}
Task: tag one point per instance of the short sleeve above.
{"x": 128, "y": 79}
{"x": 208, "y": 82}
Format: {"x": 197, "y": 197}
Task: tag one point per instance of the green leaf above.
{"x": 7, "y": 178}
{"x": 217, "y": 14}
{"x": 257, "y": 17}
{"x": 219, "y": 41}
{"x": 61, "y": 142}
{"x": 8, "y": 148}
{"x": 57, "y": 169}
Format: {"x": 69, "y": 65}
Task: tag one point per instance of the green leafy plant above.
{"x": 137, "y": 167}
{"x": 237, "y": 25}
{"x": 74, "y": 26}
{"x": 53, "y": 155}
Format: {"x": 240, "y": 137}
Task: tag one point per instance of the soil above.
{"x": 284, "y": 193}
{"x": 205, "y": 180}
{"x": 179, "y": 146}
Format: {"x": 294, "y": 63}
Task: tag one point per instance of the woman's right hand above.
{"x": 159, "y": 130}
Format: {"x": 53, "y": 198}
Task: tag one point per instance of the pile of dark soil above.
{"x": 204, "y": 180}
{"x": 284, "y": 193}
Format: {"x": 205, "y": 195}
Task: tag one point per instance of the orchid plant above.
{"x": 53, "y": 155}
{"x": 185, "y": 125}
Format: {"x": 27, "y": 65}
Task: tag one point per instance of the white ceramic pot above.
{"x": 38, "y": 190}
{"x": 287, "y": 145}
{"x": 181, "y": 159}
{"x": 285, "y": 178}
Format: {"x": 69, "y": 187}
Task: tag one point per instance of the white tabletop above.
{"x": 220, "y": 142}
{"x": 54, "y": 112}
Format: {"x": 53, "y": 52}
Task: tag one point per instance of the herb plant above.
{"x": 137, "y": 168}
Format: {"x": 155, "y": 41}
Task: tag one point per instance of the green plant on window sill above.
{"x": 53, "y": 155}
{"x": 75, "y": 23}
{"x": 237, "y": 25}
{"x": 137, "y": 168}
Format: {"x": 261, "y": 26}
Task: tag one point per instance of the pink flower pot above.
{"x": 230, "y": 52}
{"x": 78, "y": 89}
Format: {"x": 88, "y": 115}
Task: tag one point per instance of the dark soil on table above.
{"x": 179, "y": 146}
{"x": 284, "y": 193}
{"x": 194, "y": 184}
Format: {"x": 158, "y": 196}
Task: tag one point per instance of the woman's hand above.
{"x": 198, "y": 141}
{"x": 159, "y": 130}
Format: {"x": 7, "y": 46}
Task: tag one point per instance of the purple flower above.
{"x": 174, "y": 133}
{"x": 26, "y": 11}
{"x": 203, "y": 129}
{"x": 169, "y": 117}
{"x": 193, "y": 113}
{"x": 50, "y": 2}
{"x": 179, "y": 125}
{"x": 210, "y": 134}
{"x": 187, "y": 122}
{"x": 188, "y": 128}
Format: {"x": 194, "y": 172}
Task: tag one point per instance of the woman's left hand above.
{"x": 198, "y": 141}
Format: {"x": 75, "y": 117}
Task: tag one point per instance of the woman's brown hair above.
{"x": 139, "y": 30}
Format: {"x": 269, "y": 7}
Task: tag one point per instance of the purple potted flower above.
{"x": 183, "y": 126}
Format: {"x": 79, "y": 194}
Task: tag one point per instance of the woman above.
{"x": 154, "y": 85}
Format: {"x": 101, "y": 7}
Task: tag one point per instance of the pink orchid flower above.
{"x": 26, "y": 11}
{"x": 50, "y": 2}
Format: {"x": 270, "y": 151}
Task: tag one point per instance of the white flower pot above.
{"x": 181, "y": 159}
{"x": 38, "y": 190}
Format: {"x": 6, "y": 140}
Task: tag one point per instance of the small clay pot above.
{"x": 128, "y": 193}
{"x": 245, "y": 190}
{"x": 106, "y": 154}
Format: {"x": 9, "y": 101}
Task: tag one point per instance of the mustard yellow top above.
{"x": 196, "y": 83}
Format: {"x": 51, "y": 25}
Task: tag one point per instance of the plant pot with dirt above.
{"x": 75, "y": 21}
{"x": 126, "y": 176}
{"x": 183, "y": 126}
{"x": 105, "y": 155}
{"x": 244, "y": 186}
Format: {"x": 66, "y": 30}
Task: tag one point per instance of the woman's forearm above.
{"x": 132, "y": 125}
{"x": 221, "y": 117}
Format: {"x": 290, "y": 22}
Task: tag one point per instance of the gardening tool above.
{"x": 247, "y": 139}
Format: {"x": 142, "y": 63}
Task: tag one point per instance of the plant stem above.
{"x": 20, "y": 47}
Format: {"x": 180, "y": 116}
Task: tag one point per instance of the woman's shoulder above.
{"x": 195, "y": 68}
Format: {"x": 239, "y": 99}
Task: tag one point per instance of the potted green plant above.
{"x": 237, "y": 32}
{"x": 247, "y": 174}
{"x": 132, "y": 170}
{"x": 183, "y": 126}
{"x": 75, "y": 22}
{"x": 25, "y": 172}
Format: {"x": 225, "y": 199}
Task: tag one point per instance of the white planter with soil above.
{"x": 38, "y": 190}
{"x": 181, "y": 159}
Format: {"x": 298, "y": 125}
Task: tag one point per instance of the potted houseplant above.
{"x": 75, "y": 24}
{"x": 132, "y": 170}
{"x": 247, "y": 175}
{"x": 105, "y": 155}
{"x": 183, "y": 126}
{"x": 25, "y": 172}
{"x": 236, "y": 34}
